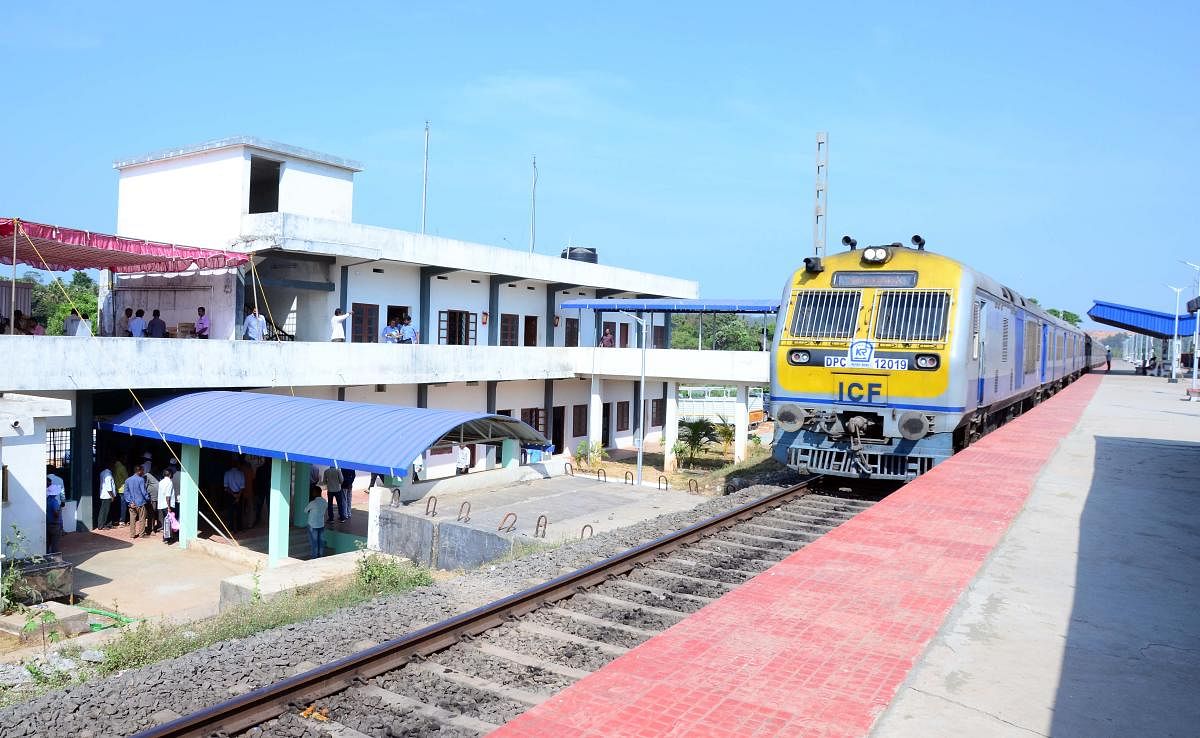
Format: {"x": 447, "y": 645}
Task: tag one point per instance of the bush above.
{"x": 379, "y": 574}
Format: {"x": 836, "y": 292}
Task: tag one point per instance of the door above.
{"x": 531, "y": 330}
{"x": 1019, "y": 353}
{"x": 364, "y": 323}
{"x": 606, "y": 424}
{"x": 558, "y": 434}
{"x": 980, "y": 347}
{"x": 624, "y": 335}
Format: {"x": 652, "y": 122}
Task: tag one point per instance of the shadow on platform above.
{"x": 1131, "y": 666}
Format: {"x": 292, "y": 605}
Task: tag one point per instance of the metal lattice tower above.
{"x": 822, "y": 194}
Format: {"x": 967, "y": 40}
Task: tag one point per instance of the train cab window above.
{"x": 825, "y": 314}
{"x": 912, "y": 315}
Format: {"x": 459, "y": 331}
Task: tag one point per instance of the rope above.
{"x": 258, "y": 286}
{"x": 136, "y": 399}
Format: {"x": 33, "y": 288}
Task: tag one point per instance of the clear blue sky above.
{"x": 1052, "y": 146}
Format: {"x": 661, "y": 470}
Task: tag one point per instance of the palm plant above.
{"x": 695, "y": 435}
{"x": 725, "y": 433}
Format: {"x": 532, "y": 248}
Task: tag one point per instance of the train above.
{"x": 889, "y": 359}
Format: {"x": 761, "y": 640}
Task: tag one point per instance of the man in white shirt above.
{"x": 83, "y": 328}
{"x": 202, "y": 323}
{"x": 108, "y": 492}
{"x": 255, "y": 326}
{"x": 462, "y": 460}
{"x": 166, "y": 501}
{"x": 337, "y": 326}
{"x": 137, "y": 324}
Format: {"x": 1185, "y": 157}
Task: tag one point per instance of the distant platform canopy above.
{"x": 58, "y": 249}
{"x": 1141, "y": 320}
{"x": 668, "y": 305}
{"x": 348, "y": 435}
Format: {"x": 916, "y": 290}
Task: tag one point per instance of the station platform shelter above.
{"x": 1041, "y": 582}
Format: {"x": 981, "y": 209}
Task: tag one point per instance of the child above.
{"x": 316, "y": 521}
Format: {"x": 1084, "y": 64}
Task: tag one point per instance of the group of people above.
{"x": 146, "y": 502}
{"x": 26, "y": 325}
{"x": 132, "y": 323}
{"x": 400, "y": 331}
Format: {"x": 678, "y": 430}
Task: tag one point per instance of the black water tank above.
{"x": 580, "y": 253}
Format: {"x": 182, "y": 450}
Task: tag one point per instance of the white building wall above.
{"x": 396, "y": 284}
{"x": 458, "y": 291}
{"x": 23, "y": 516}
{"x": 525, "y": 299}
{"x": 195, "y": 200}
{"x": 313, "y": 189}
{"x": 458, "y": 396}
{"x": 404, "y": 395}
{"x": 304, "y": 313}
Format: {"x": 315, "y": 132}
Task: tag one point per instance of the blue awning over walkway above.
{"x": 1141, "y": 320}
{"x": 354, "y": 435}
{"x": 669, "y": 305}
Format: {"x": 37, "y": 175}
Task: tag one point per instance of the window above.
{"x": 457, "y": 327}
{"x": 658, "y": 336}
{"x": 826, "y": 313}
{"x": 534, "y": 417}
{"x": 58, "y": 446}
{"x": 579, "y": 420}
{"x": 572, "y": 331}
{"x": 1004, "y": 341}
{"x": 623, "y": 416}
{"x": 531, "y": 338}
{"x": 364, "y": 323}
{"x": 912, "y": 315}
{"x": 398, "y": 313}
{"x": 506, "y": 413}
{"x": 624, "y": 336}
{"x": 658, "y": 412}
{"x": 1031, "y": 347}
{"x": 508, "y": 329}
{"x": 264, "y": 186}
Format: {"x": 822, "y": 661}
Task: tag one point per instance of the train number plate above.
{"x": 878, "y": 362}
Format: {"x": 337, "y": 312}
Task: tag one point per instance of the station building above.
{"x": 493, "y": 335}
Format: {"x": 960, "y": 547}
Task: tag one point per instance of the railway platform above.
{"x": 1043, "y": 582}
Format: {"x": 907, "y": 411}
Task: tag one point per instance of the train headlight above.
{"x": 875, "y": 254}
{"x": 797, "y": 357}
{"x": 790, "y": 417}
{"x": 927, "y": 361}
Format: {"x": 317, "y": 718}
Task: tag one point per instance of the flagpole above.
{"x": 533, "y": 209}
{"x": 425, "y": 177}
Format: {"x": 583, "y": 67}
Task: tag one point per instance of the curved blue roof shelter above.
{"x": 1140, "y": 320}
{"x": 355, "y": 435}
{"x": 671, "y": 305}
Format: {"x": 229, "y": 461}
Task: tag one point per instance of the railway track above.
{"x": 469, "y": 674}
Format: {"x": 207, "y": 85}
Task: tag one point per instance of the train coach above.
{"x": 889, "y": 359}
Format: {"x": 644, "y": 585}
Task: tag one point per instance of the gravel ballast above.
{"x": 124, "y": 703}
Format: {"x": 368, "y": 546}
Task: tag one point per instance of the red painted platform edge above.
{"x": 820, "y": 643}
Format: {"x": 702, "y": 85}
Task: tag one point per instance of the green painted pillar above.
{"x": 510, "y": 453}
{"x": 300, "y": 485}
{"x": 279, "y": 524}
{"x": 189, "y": 495}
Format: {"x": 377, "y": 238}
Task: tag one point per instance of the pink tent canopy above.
{"x": 60, "y": 249}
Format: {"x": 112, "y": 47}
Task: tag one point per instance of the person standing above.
{"x": 408, "y": 334}
{"x": 120, "y": 474}
{"x": 235, "y": 484}
{"x": 391, "y": 333}
{"x": 137, "y": 326}
{"x": 607, "y": 340}
{"x": 54, "y": 527}
{"x": 135, "y": 500}
{"x": 337, "y": 326}
{"x": 108, "y": 490}
{"x": 462, "y": 463}
{"x": 71, "y": 323}
{"x": 333, "y": 487}
{"x": 151, "y": 517}
{"x": 166, "y": 501}
{"x": 84, "y": 327}
{"x": 1107, "y": 359}
{"x": 202, "y": 323}
{"x": 317, "y": 506}
{"x": 346, "y": 495}
{"x": 157, "y": 327}
{"x": 254, "y": 327}
{"x": 123, "y": 324}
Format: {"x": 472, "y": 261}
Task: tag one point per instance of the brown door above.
{"x": 364, "y": 322}
{"x": 624, "y": 335}
{"x": 531, "y": 330}
{"x": 558, "y": 433}
{"x": 572, "y": 330}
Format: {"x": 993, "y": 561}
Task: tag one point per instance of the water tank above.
{"x": 580, "y": 253}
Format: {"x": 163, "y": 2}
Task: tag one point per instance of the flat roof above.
{"x": 668, "y": 305}
{"x": 263, "y": 144}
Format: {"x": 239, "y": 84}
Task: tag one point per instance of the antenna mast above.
{"x": 533, "y": 208}
{"x": 425, "y": 177}
{"x": 821, "y": 201}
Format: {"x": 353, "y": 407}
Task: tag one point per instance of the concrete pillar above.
{"x": 189, "y": 495}
{"x": 670, "y": 425}
{"x": 667, "y": 329}
{"x": 636, "y": 408}
{"x": 493, "y": 329}
{"x": 82, "y": 489}
{"x": 510, "y": 453}
{"x": 638, "y": 330}
{"x": 422, "y": 395}
{"x": 423, "y": 317}
{"x": 741, "y": 423}
{"x": 599, "y": 316}
{"x": 551, "y": 290}
{"x": 279, "y": 527}
{"x": 301, "y": 474}
{"x": 548, "y": 409}
{"x": 375, "y": 503}
{"x": 595, "y": 413}
{"x": 490, "y": 390}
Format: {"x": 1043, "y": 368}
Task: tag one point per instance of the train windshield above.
{"x": 826, "y": 313}
{"x": 912, "y": 315}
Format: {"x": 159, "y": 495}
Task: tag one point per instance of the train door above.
{"x": 1019, "y": 353}
{"x": 980, "y": 347}
{"x": 1045, "y": 345}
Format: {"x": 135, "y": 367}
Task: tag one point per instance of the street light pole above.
{"x": 641, "y": 429}
{"x": 1195, "y": 334}
{"x": 1175, "y": 339}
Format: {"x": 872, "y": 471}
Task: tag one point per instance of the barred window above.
{"x": 826, "y": 313}
{"x": 912, "y": 315}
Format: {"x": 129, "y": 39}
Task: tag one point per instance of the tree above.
{"x": 726, "y": 433}
{"x": 695, "y": 435}
{"x": 50, "y": 306}
{"x": 722, "y": 332}
{"x": 1066, "y": 316}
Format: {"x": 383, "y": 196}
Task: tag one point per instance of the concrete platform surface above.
{"x": 1086, "y": 620}
{"x": 819, "y": 644}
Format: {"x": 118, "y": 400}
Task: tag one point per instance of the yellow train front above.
{"x": 888, "y": 359}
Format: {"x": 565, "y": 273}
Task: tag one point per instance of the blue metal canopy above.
{"x": 354, "y": 435}
{"x": 669, "y": 305}
{"x": 1141, "y": 320}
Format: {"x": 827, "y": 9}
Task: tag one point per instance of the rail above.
{"x": 265, "y": 703}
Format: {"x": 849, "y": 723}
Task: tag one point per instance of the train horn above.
{"x": 918, "y": 242}
{"x": 850, "y": 242}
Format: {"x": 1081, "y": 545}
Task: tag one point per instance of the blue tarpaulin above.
{"x": 1141, "y": 320}
{"x": 354, "y": 435}
{"x": 669, "y": 305}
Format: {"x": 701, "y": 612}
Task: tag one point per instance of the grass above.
{"x": 146, "y": 643}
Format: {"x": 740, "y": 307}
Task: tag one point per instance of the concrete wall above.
{"x": 313, "y": 189}
{"x": 301, "y": 312}
{"x": 24, "y": 454}
{"x": 457, "y": 291}
{"x": 196, "y": 200}
{"x": 396, "y": 284}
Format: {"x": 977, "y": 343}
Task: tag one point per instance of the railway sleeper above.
{"x": 483, "y": 685}
{"x": 803, "y": 518}
{"x": 500, "y": 652}
{"x": 659, "y": 597}
{"x": 687, "y": 578}
{"x": 486, "y": 661}
{"x": 441, "y": 715}
{"x": 581, "y": 617}
{"x": 763, "y": 542}
{"x": 719, "y": 548}
{"x": 725, "y": 569}
{"x": 783, "y": 534}
{"x": 548, "y": 632}
{"x": 673, "y": 615}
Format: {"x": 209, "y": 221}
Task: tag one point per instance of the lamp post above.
{"x": 1175, "y": 339}
{"x": 1195, "y": 333}
{"x": 641, "y": 429}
